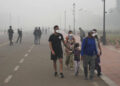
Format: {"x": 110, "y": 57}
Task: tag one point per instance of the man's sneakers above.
{"x": 55, "y": 74}
{"x": 61, "y": 75}
{"x": 76, "y": 74}
{"x": 100, "y": 74}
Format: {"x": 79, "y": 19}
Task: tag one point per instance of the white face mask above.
{"x": 70, "y": 34}
{"x": 94, "y": 34}
{"x": 57, "y": 31}
{"x": 78, "y": 48}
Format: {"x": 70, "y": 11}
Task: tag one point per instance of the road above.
{"x": 30, "y": 65}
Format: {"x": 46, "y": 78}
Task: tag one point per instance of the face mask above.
{"x": 57, "y": 31}
{"x": 70, "y": 34}
{"x": 78, "y": 48}
{"x": 94, "y": 34}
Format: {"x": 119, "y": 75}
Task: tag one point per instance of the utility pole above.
{"x": 65, "y": 21}
{"x": 10, "y": 19}
{"x": 104, "y": 22}
{"x": 60, "y": 22}
{"x": 69, "y": 27}
{"x": 74, "y": 17}
{"x": 18, "y": 21}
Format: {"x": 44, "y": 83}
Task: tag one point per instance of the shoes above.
{"x": 76, "y": 74}
{"x": 91, "y": 78}
{"x": 99, "y": 74}
{"x": 55, "y": 74}
{"x": 61, "y": 75}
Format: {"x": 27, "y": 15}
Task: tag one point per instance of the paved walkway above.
{"x": 30, "y": 65}
{"x": 110, "y": 62}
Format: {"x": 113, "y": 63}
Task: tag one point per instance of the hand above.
{"x": 69, "y": 48}
{"x": 70, "y": 51}
{"x": 100, "y": 53}
{"x": 53, "y": 52}
{"x": 81, "y": 57}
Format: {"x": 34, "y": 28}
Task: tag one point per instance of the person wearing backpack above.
{"x": 88, "y": 55}
{"x": 97, "y": 61}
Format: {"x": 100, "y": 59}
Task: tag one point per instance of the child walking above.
{"x": 77, "y": 58}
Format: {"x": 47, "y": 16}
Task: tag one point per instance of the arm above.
{"x": 99, "y": 47}
{"x": 65, "y": 45}
{"x": 95, "y": 48}
{"x": 82, "y": 48}
{"x": 50, "y": 46}
{"x": 66, "y": 50}
{"x": 74, "y": 40}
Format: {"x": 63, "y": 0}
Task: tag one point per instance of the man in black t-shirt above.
{"x": 56, "y": 49}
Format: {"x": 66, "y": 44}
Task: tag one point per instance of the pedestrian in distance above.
{"x": 56, "y": 50}
{"x": 19, "y": 39}
{"x": 39, "y": 35}
{"x": 82, "y": 34}
{"x": 46, "y": 30}
{"x": 35, "y": 33}
{"x": 10, "y": 35}
{"x": 88, "y": 54}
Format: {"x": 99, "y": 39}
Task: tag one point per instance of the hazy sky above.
{"x": 30, "y": 13}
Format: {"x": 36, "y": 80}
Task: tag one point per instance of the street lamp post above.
{"x": 74, "y": 17}
{"x": 10, "y": 19}
{"x": 104, "y": 22}
{"x": 65, "y": 22}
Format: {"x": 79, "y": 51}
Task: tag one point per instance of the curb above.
{"x": 107, "y": 80}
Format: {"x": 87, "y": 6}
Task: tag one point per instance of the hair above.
{"x": 70, "y": 31}
{"x": 76, "y": 45}
{"x": 56, "y": 26}
{"x": 89, "y": 33}
{"x": 10, "y": 26}
{"x": 95, "y": 30}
